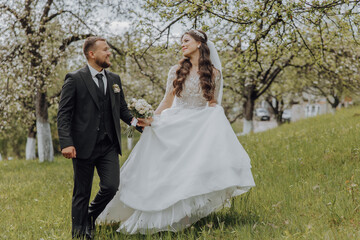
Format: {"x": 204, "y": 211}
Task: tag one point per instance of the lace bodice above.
{"x": 191, "y": 95}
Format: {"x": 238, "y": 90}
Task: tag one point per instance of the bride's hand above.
{"x": 144, "y": 122}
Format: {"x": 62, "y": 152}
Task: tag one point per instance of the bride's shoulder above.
{"x": 174, "y": 68}
{"x": 172, "y": 71}
{"x": 216, "y": 72}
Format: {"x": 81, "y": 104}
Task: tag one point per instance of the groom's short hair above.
{"x": 90, "y": 43}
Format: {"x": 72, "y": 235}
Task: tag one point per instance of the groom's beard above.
{"x": 102, "y": 64}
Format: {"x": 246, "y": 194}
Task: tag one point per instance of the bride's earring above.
{"x": 199, "y": 46}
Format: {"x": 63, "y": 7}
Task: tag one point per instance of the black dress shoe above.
{"x": 90, "y": 228}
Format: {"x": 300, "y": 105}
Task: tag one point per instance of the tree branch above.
{"x": 240, "y": 115}
{"x": 226, "y": 18}
{"x": 273, "y": 76}
{"x": 302, "y": 38}
{"x": 67, "y": 41}
{"x": 13, "y": 12}
{"x": 45, "y": 13}
{"x": 120, "y": 52}
{"x": 168, "y": 26}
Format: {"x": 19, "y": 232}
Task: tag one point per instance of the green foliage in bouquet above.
{"x": 139, "y": 108}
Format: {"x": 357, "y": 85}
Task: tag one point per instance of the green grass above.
{"x": 307, "y": 175}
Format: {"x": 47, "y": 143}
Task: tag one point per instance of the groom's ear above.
{"x": 91, "y": 55}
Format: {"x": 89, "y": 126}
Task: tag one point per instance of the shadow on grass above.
{"x": 226, "y": 219}
{"x": 214, "y": 222}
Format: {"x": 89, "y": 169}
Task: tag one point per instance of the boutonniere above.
{"x": 116, "y": 88}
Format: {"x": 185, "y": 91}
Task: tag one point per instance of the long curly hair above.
{"x": 207, "y": 81}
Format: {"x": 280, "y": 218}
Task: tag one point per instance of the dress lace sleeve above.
{"x": 170, "y": 80}
{"x": 217, "y": 83}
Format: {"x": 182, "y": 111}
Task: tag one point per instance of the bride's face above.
{"x": 189, "y": 45}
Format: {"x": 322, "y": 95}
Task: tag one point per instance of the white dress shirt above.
{"x": 93, "y": 72}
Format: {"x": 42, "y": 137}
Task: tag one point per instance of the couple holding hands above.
{"x": 187, "y": 163}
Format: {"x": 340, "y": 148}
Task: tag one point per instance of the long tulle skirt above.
{"x": 188, "y": 164}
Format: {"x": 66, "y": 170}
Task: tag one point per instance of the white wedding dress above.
{"x": 188, "y": 164}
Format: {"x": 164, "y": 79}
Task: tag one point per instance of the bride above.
{"x": 189, "y": 162}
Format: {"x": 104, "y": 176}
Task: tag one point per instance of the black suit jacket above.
{"x": 79, "y": 112}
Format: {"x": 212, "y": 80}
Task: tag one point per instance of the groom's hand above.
{"x": 69, "y": 152}
{"x": 144, "y": 122}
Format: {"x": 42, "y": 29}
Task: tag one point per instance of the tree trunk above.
{"x": 249, "y": 104}
{"x": 248, "y": 127}
{"x": 278, "y": 118}
{"x": 333, "y": 110}
{"x": 45, "y": 145}
{"x": 278, "y": 111}
{"x": 30, "y": 152}
{"x": 334, "y": 104}
{"x": 4, "y": 148}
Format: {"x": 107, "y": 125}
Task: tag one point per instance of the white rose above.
{"x": 137, "y": 106}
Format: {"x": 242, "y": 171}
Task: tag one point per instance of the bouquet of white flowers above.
{"x": 139, "y": 109}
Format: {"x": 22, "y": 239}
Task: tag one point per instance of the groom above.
{"x": 91, "y": 105}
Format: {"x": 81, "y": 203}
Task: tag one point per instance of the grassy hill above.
{"x": 307, "y": 175}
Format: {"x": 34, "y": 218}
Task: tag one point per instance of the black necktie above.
{"x": 99, "y": 76}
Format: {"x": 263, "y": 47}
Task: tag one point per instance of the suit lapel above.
{"x": 110, "y": 83}
{"x": 89, "y": 82}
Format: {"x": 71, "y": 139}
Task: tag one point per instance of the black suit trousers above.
{"x": 105, "y": 159}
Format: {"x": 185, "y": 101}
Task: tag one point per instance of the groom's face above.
{"x": 102, "y": 54}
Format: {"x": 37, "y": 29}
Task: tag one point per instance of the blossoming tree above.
{"x": 37, "y": 34}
